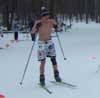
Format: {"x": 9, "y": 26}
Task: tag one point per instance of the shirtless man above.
{"x": 45, "y": 45}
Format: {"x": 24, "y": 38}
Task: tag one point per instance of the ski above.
{"x": 64, "y": 84}
{"x": 45, "y": 88}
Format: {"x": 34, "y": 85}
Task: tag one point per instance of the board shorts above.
{"x": 45, "y": 49}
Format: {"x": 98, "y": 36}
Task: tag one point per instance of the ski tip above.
{"x": 50, "y": 92}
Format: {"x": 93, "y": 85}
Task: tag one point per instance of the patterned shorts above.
{"x": 45, "y": 49}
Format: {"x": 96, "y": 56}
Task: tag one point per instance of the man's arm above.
{"x": 36, "y": 26}
{"x": 34, "y": 29}
{"x": 54, "y": 24}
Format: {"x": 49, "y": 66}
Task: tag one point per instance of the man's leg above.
{"x": 42, "y": 69}
{"x": 42, "y": 58}
{"x": 55, "y": 67}
{"x": 16, "y": 36}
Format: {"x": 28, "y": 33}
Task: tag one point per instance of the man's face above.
{"x": 46, "y": 17}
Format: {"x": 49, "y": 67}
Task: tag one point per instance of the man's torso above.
{"x": 45, "y": 30}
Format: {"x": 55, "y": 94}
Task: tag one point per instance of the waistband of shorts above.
{"x": 44, "y": 40}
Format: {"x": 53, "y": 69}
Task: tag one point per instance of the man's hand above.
{"x": 36, "y": 26}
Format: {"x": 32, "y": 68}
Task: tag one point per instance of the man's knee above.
{"x": 53, "y": 60}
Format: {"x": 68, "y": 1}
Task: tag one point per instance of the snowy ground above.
{"x": 81, "y": 47}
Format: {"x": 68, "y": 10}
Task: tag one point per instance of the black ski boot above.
{"x": 56, "y": 75}
{"x": 42, "y": 80}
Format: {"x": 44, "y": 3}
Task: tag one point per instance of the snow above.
{"x": 81, "y": 46}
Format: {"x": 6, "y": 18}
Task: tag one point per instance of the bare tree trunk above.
{"x": 96, "y": 10}
{"x": 6, "y": 17}
{"x": 86, "y": 10}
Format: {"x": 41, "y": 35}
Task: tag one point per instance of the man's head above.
{"x": 44, "y": 12}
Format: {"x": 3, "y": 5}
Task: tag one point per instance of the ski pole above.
{"x": 21, "y": 82}
{"x": 98, "y": 69}
{"x": 60, "y": 46}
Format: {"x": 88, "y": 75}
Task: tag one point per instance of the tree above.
{"x": 25, "y": 9}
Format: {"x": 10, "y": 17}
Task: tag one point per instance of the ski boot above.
{"x": 56, "y": 75}
{"x": 42, "y": 80}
